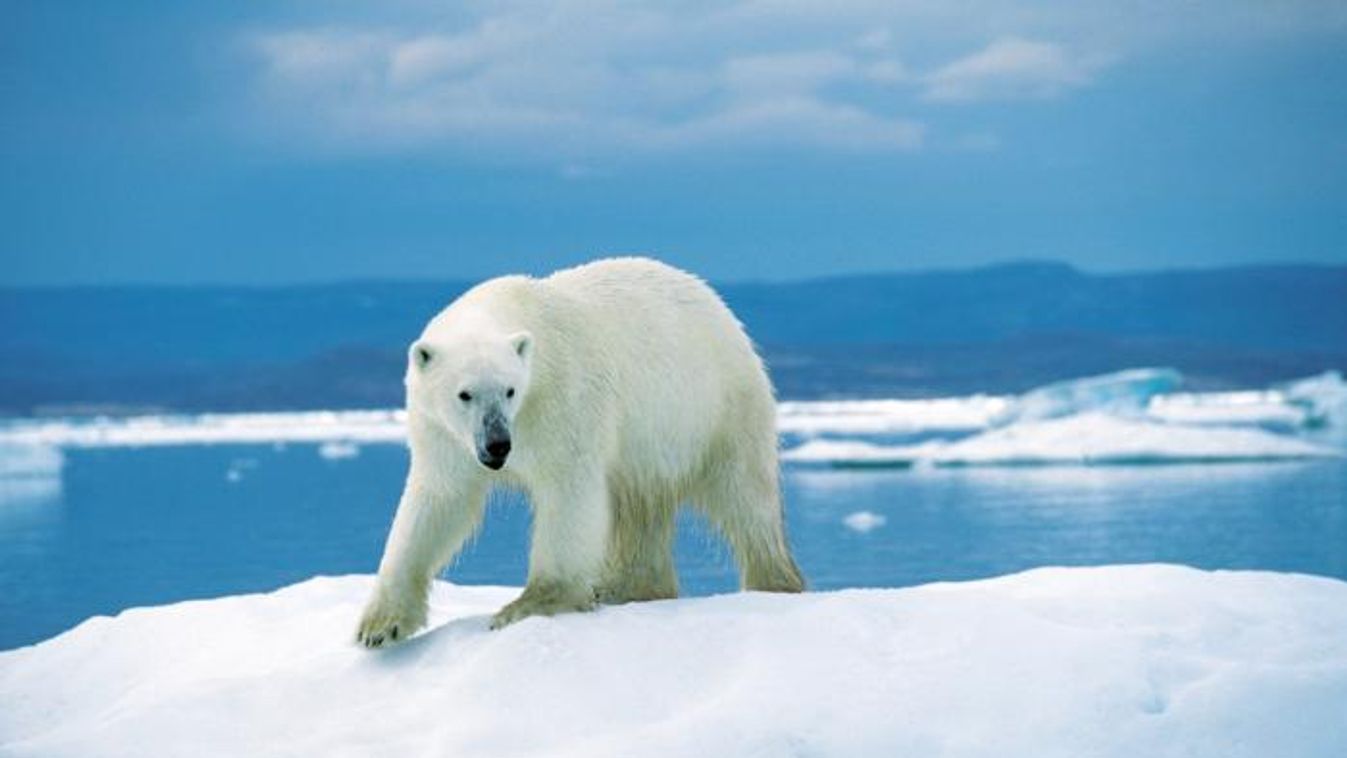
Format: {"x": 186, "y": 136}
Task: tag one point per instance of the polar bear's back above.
{"x": 654, "y": 322}
{"x": 681, "y": 372}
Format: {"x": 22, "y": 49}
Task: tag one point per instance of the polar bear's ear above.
{"x": 522, "y": 342}
{"x": 421, "y": 354}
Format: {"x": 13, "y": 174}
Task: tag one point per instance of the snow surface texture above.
{"x": 1127, "y": 661}
{"x": 1133, "y": 416}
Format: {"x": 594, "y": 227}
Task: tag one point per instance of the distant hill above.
{"x": 1002, "y": 328}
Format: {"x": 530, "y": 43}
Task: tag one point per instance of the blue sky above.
{"x": 307, "y": 141}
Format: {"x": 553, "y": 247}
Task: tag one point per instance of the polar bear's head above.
{"x": 472, "y": 388}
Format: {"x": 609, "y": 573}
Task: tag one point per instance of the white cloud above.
{"x": 975, "y": 142}
{"x": 582, "y": 81}
{"x": 1011, "y": 69}
{"x": 319, "y": 58}
{"x": 785, "y": 121}
{"x": 787, "y": 74}
{"x": 506, "y": 85}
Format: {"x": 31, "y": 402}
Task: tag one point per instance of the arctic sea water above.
{"x": 119, "y": 525}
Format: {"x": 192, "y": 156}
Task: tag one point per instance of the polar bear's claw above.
{"x": 544, "y": 600}
{"x": 384, "y": 621}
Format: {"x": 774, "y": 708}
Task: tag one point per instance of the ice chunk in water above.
{"x": 1123, "y": 393}
{"x": 19, "y": 460}
{"x": 1323, "y": 398}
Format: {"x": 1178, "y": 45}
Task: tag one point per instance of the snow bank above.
{"x": 1127, "y": 661}
{"x": 1082, "y": 439}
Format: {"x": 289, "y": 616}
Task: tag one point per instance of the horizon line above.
{"x": 1010, "y": 263}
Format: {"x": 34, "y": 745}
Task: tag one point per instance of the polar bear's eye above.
{"x": 422, "y": 356}
{"x": 509, "y": 392}
{"x": 465, "y": 396}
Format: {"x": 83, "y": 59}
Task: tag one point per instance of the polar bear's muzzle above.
{"x": 493, "y": 443}
{"x": 494, "y": 453}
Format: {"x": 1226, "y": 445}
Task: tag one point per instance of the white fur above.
{"x": 634, "y": 390}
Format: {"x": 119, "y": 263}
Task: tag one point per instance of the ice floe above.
{"x": 1134, "y": 416}
{"x": 1121, "y": 392}
{"x": 864, "y": 521}
{"x": 1082, "y": 439}
{"x": 337, "y": 450}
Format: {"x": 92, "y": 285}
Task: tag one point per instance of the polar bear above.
{"x": 609, "y": 393}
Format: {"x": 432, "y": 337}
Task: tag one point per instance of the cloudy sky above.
{"x": 314, "y": 141}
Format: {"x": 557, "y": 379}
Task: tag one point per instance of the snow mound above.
{"x": 1126, "y": 661}
{"x": 1086, "y": 438}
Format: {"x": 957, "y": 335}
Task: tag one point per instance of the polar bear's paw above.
{"x": 389, "y": 618}
{"x": 545, "y": 599}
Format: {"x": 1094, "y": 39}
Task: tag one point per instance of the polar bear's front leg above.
{"x": 570, "y": 536}
{"x": 430, "y": 526}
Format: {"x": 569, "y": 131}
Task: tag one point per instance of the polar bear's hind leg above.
{"x": 742, "y": 497}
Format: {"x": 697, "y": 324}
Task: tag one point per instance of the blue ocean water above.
{"x": 129, "y": 527}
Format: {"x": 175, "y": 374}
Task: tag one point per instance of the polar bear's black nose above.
{"x": 495, "y": 452}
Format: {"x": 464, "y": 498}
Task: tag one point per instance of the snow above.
{"x": 1127, "y": 660}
